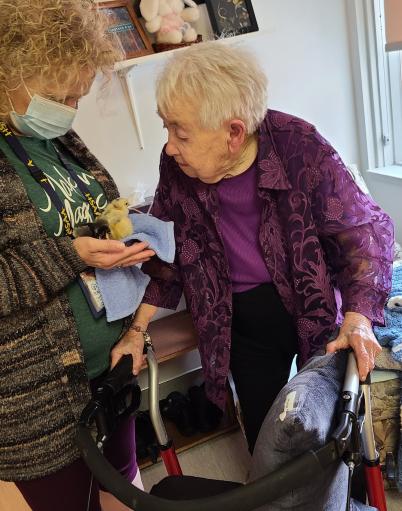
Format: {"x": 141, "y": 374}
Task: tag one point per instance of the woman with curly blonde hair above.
{"x": 53, "y": 349}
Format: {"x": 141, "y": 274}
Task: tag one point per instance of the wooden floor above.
{"x": 225, "y": 457}
{"x": 11, "y": 499}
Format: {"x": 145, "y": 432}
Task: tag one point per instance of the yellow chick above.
{"x": 118, "y": 222}
{"x": 120, "y": 204}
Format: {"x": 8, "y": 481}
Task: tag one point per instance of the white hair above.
{"x": 224, "y": 83}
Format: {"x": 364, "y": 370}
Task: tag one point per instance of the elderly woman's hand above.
{"x": 356, "y": 333}
{"x": 132, "y": 343}
{"x": 109, "y": 254}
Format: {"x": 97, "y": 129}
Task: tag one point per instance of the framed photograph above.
{"x": 124, "y": 23}
{"x": 231, "y": 17}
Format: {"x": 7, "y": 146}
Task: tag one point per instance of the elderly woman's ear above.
{"x": 237, "y": 134}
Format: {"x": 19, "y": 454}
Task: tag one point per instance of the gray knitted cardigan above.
{"x": 43, "y": 381}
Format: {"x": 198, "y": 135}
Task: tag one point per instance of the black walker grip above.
{"x": 119, "y": 375}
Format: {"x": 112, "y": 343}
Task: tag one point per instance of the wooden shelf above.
{"x": 173, "y": 336}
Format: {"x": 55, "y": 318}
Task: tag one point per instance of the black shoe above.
{"x": 176, "y": 408}
{"x": 206, "y": 415}
{"x": 145, "y": 438}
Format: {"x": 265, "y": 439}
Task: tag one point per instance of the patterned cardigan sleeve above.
{"x": 34, "y": 268}
{"x": 33, "y": 273}
{"x": 166, "y": 287}
{"x": 357, "y": 235}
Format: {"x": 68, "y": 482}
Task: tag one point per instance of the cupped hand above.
{"x": 356, "y": 333}
{"x": 107, "y": 254}
{"x": 132, "y": 343}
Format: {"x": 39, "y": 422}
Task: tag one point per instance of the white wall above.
{"x": 302, "y": 45}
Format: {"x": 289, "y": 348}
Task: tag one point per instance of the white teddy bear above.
{"x": 170, "y": 19}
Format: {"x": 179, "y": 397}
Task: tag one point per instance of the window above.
{"x": 395, "y": 82}
{"x": 378, "y": 86}
{"x": 390, "y": 92}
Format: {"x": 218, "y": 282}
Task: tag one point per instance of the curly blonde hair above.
{"x": 54, "y": 40}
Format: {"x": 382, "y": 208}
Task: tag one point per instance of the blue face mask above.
{"x": 44, "y": 119}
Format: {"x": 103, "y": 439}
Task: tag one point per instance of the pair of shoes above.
{"x": 206, "y": 415}
{"x": 176, "y": 407}
{"x": 191, "y": 413}
{"x": 145, "y": 438}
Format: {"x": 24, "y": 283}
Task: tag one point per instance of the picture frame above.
{"x": 231, "y": 17}
{"x": 128, "y": 28}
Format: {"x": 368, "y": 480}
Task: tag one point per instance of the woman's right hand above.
{"x": 132, "y": 343}
{"x": 107, "y": 254}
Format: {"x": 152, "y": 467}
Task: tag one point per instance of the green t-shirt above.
{"x": 97, "y": 336}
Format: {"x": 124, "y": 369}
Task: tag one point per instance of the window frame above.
{"x": 374, "y": 71}
{"x": 395, "y": 73}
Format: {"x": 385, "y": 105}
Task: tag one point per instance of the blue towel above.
{"x": 391, "y": 334}
{"x": 122, "y": 289}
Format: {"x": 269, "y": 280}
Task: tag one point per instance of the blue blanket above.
{"x": 390, "y": 336}
{"x": 122, "y": 289}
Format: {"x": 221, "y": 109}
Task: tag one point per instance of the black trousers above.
{"x": 264, "y": 343}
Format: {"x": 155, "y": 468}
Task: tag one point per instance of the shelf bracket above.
{"x": 125, "y": 76}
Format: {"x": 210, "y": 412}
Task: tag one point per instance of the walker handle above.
{"x": 119, "y": 376}
{"x": 117, "y": 396}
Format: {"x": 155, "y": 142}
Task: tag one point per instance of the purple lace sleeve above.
{"x": 357, "y": 234}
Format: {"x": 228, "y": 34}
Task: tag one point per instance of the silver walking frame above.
{"x": 352, "y": 441}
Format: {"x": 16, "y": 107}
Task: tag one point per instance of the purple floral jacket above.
{"x": 319, "y": 234}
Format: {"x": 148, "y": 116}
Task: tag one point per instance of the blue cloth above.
{"x": 302, "y": 418}
{"x": 122, "y": 289}
{"x": 391, "y": 334}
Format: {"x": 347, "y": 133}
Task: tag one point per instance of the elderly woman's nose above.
{"x": 171, "y": 149}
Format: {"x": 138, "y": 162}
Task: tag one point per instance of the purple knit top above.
{"x": 240, "y": 210}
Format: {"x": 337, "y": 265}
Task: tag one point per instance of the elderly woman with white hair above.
{"x": 276, "y": 245}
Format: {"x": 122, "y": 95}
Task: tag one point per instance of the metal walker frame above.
{"x": 119, "y": 395}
